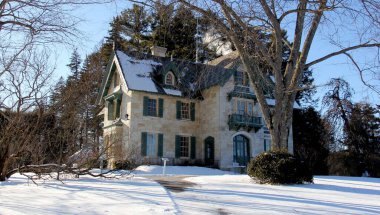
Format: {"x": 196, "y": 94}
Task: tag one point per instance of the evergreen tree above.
{"x": 74, "y": 65}
{"x": 311, "y": 139}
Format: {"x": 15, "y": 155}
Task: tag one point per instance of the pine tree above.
{"x": 74, "y": 65}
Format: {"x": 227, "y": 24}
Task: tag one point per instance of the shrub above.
{"x": 373, "y": 166}
{"x": 279, "y": 167}
{"x": 124, "y": 164}
{"x": 344, "y": 164}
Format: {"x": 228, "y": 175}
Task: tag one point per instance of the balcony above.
{"x": 238, "y": 121}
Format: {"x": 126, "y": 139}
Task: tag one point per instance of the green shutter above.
{"x": 110, "y": 110}
{"x": 118, "y": 103}
{"x": 192, "y": 111}
{"x": 177, "y": 146}
{"x": 160, "y": 107}
{"x": 179, "y": 104}
{"x": 160, "y": 145}
{"x": 193, "y": 149}
{"x": 145, "y": 106}
{"x": 143, "y": 143}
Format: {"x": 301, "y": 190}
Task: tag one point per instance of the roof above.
{"x": 143, "y": 72}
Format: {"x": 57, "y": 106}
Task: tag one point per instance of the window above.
{"x": 151, "y": 145}
{"x": 185, "y": 110}
{"x": 267, "y": 144}
{"x": 244, "y": 107}
{"x": 114, "y": 109}
{"x": 115, "y": 80}
{"x": 152, "y": 107}
{"x": 184, "y": 147}
{"x": 169, "y": 78}
{"x": 267, "y": 140}
{"x": 241, "y": 78}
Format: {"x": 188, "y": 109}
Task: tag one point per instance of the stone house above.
{"x": 190, "y": 113}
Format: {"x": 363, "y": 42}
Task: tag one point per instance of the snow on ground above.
{"x": 178, "y": 170}
{"x": 84, "y": 196}
{"x": 207, "y": 191}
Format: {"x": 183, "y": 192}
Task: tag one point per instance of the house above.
{"x": 190, "y": 113}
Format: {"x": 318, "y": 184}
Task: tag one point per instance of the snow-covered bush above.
{"x": 278, "y": 167}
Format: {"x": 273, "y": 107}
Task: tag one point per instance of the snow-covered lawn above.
{"x": 206, "y": 191}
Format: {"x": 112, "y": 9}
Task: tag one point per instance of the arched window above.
{"x": 241, "y": 153}
{"x": 169, "y": 78}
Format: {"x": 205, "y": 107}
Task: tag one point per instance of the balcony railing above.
{"x": 237, "y": 121}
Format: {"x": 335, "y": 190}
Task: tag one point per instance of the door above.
{"x": 241, "y": 150}
{"x": 209, "y": 151}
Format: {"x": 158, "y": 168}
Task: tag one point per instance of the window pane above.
{"x": 185, "y": 113}
{"x": 169, "y": 79}
{"x": 152, "y": 107}
{"x": 184, "y": 147}
{"x": 239, "y": 78}
{"x": 150, "y": 145}
{"x": 241, "y": 107}
{"x": 250, "y": 109}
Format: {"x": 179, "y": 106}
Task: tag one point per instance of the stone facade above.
{"x": 211, "y": 120}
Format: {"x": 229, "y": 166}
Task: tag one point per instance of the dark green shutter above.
{"x": 110, "y": 110}
{"x": 145, "y": 106}
{"x": 179, "y": 104}
{"x": 143, "y": 143}
{"x": 192, "y": 111}
{"x": 160, "y": 150}
{"x": 160, "y": 107}
{"x": 177, "y": 146}
{"x": 118, "y": 103}
{"x": 193, "y": 149}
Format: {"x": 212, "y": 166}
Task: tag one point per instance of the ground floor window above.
{"x": 241, "y": 151}
{"x": 184, "y": 146}
{"x": 151, "y": 144}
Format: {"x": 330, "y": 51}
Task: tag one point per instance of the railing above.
{"x": 237, "y": 121}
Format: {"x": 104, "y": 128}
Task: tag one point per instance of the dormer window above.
{"x": 169, "y": 79}
{"x": 241, "y": 78}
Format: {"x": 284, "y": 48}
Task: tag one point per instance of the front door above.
{"x": 209, "y": 151}
{"x": 241, "y": 150}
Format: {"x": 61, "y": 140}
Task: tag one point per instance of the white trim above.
{"x": 173, "y": 78}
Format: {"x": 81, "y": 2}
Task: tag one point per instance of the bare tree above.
{"x": 256, "y": 29}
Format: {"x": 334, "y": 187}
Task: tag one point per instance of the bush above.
{"x": 373, "y": 166}
{"x": 344, "y": 164}
{"x": 124, "y": 164}
{"x": 279, "y": 167}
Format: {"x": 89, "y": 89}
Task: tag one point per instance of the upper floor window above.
{"x": 241, "y": 78}
{"x": 169, "y": 78}
{"x": 185, "y": 111}
{"x": 114, "y": 109}
{"x": 116, "y": 80}
{"x": 244, "y": 107}
{"x": 153, "y": 107}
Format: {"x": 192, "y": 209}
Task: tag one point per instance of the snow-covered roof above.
{"x": 143, "y": 72}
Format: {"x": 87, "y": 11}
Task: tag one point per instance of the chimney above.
{"x": 158, "y": 51}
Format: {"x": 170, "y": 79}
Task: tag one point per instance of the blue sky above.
{"x": 95, "y": 25}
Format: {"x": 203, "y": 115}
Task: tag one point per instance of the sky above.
{"x": 95, "y": 26}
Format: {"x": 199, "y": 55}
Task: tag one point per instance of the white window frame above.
{"x": 172, "y": 79}
{"x": 184, "y": 140}
{"x": 185, "y": 112}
